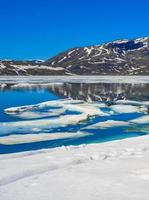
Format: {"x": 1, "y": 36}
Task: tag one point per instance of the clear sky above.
{"x": 43, "y": 28}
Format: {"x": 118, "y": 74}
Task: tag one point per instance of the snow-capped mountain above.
{"x": 120, "y": 57}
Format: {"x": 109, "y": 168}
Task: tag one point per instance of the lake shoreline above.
{"x": 74, "y": 79}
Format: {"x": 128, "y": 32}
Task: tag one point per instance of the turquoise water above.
{"x": 14, "y": 98}
{"x": 23, "y": 96}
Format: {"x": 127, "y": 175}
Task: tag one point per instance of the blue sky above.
{"x": 43, "y": 28}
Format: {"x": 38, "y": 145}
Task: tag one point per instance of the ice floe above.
{"x": 130, "y": 102}
{"x": 141, "y": 120}
{"x": 36, "y": 115}
{"x": 29, "y": 138}
{"x": 124, "y": 108}
{"x": 107, "y": 124}
{"x": 55, "y": 103}
{"x": 31, "y": 125}
{"x": 55, "y": 108}
{"x": 49, "y": 115}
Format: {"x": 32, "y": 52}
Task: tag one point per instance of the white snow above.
{"x": 62, "y": 59}
{"x": 74, "y": 79}
{"x": 144, "y": 39}
{"x": 25, "y": 67}
{"x": 2, "y": 66}
{"x": 120, "y": 41}
{"x": 88, "y": 50}
{"x": 70, "y": 52}
{"x": 116, "y": 170}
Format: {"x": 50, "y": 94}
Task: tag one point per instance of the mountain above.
{"x": 120, "y": 57}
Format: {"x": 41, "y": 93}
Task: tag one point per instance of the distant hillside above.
{"x": 121, "y": 57}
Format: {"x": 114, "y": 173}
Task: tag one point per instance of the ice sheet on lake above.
{"x": 57, "y": 107}
{"x": 114, "y": 123}
{"x": 36, "y": 115}
{"x": 107, "y": 124}
{"x": 46, "y": 116}
{"x": 55, "y": 103}
{"x": 29, "y": 138}
{"x": 41, "y": 124}
{"x": 89, "y": 109}
{"x": 141, "y": 120}
{"x": 135, "y": 103}
{"x": 124, "y": 108}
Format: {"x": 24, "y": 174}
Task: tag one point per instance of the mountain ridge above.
{"x": 119, "y": 57}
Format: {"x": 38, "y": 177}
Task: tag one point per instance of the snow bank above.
{"x": 113, "y": 170}
{"x": 74, "y": 79}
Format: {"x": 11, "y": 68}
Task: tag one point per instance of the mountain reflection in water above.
{"x": 102, "y": 91}
{"x": 90, "y": 91}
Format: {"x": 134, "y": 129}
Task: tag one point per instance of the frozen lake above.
{"x": 45, "y": 112}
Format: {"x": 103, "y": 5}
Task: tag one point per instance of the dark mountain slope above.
{"x": 121, "y": 57}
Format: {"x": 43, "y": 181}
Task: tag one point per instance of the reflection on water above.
{"x": 55, "y": 114}
{"x": 89, "y": 92}
{"x": 102, "y": 91}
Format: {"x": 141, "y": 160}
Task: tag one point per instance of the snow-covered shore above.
{"x": 25, "y": 80}
{"x": 117, "y": 170}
